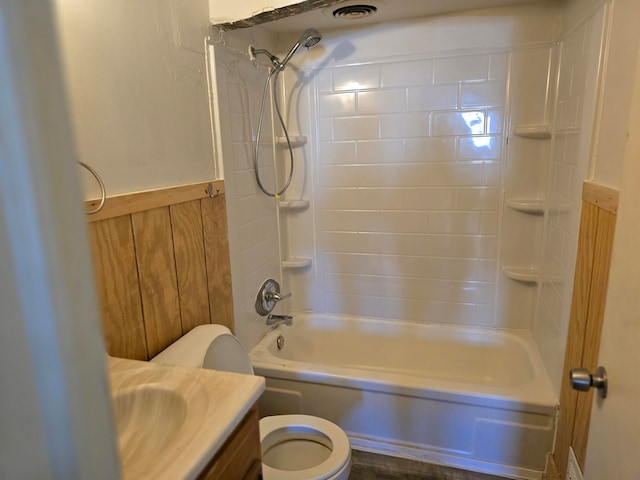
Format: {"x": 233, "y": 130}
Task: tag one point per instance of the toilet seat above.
{"x": 280, "y": 428}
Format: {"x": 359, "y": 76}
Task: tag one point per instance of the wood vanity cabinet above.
{"x": 239, "y": 457}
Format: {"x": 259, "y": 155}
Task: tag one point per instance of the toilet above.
{"x": 300, "y": 447}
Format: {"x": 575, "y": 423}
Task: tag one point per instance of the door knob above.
{"x": 582, "y": 380}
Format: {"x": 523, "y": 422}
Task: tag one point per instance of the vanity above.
{"x": 181, "y": 423}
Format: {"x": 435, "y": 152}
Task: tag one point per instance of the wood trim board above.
{"x": 163, "y": 270}
{"x": 595, "y": 244}
{"x": 140, "y": 201}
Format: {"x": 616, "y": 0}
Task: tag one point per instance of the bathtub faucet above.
{"x": 276, "y": 320}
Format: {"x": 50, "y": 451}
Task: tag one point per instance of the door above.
{"x": 614, "y": 434}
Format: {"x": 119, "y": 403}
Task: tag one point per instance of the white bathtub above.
{"x": 472, "y": 398}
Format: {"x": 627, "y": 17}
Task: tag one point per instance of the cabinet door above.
{"x": 239, "y": 457}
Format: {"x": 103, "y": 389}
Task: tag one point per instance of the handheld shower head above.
{"x": 309, "y": 38}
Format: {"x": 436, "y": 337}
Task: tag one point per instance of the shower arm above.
{"x": 275, "y": 61}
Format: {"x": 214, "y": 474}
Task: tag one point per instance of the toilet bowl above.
{"x": 299, "y": 447}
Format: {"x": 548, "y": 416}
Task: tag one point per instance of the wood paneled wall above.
{"x": 162, "y": 267}
{"x": 595, "y": 243}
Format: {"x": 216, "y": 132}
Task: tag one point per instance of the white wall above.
{"x": 136, "y": 78}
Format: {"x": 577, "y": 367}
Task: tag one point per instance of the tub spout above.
{"x": 276, "y": 320}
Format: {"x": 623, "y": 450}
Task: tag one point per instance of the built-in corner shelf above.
{"x": 296, "y": 141}
{"x": 537, "y": 132}
{"x": 532, "y": 206}
{"x": 522, "y": 274}
{"x": 296, "y": 263}
{"x": 301, "y": 204}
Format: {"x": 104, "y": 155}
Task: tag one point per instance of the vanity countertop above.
{"x": 172, "y": 420}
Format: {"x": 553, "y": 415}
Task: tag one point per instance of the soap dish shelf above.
{"x": 296, "y": 263}
{"x": 536, "y": 132}
{"x": 296, "y": 141}
{"x": 526, "y": 275}
{"x": 301, "y": 204}
{"x": 532, "y": 206}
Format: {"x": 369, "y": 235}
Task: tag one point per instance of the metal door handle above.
{"x": 582, "y": 380}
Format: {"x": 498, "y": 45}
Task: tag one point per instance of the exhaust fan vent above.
{"x": 355, "y": 12}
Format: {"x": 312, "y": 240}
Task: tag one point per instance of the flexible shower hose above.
{"x": 272, "y": 73}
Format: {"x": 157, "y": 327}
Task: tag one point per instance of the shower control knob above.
{"x": 582, "y": 380}
{"x": 268, "y": 296}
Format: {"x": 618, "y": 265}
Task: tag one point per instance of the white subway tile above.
{"x": 339, "y": 242}
{"x": 495, "y": 121}
{"x": 475, "y": 246}
{"x": 479, "y": 148}
{"x": 245, "y": 182}
{"x": 256, "y": 232}
{"x": 427, "y": 245}
{"x": 350, "y": 220}
{"x": 461, "y": 69}
{"x": 240, "y": 127}
{"x": 498, "y": 66}
{"x": 455, "y": 174}
{"x": 382, "y": 101}
{"x": 429, "y": 198}
{"x": 490, "y": 94}
{"x": 356, "y": 77}
{"x": 432, "y": 97}
{"x": 458, "y": 123}
{"x": 349, "y": 176}
{"x": 403, "y": 222}
{"x": 324, "y": 80}
{"x": 481, "y": 198}
{"x": 402, "y": 74}
{"x": 340, "y": 199}
{"x": 403, "y": 175}
{"x": 356, "y": 128}
{"x": 325, "y": 129}
{"x": 382, "y": 198}
{"x": 458, "y": 269}
{"x": 403, "y": 266}
{"x": 491, "y": 173}
{"x": 454, "y": 222}
{"x": 336, "y": 104}
{"x": 337, "y": 153}
{"x": 404, "y": 125}
{"x": 384, "y": 243}
{"x": 430, "y": 149}
{"x": 242, "y": 156}
{"x": 380, "y": 151}
{"x": 354, "y": 263}
{"x": 489, "y": 223}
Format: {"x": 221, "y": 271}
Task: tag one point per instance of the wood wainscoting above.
{"x": 595, "y": 243}
{"x": 161, "y": 261}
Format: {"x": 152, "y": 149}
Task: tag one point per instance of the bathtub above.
{"x": 471, "y": 398}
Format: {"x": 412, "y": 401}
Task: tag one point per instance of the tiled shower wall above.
{"x": 570, "y": 159}
{"x": 408, "y": 178}
{"x": 252, "y": 216}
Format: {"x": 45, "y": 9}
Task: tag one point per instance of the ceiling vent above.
{"x": 355, "y": 11}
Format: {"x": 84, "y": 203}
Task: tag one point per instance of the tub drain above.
{"x": 280, "y": 342}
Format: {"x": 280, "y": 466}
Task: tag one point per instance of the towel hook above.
{"x": 103, "y": 192}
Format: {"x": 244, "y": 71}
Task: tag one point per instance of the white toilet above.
{"x": 299, "y": 447}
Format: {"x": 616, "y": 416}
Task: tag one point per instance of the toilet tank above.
{"x": 209, "y": 346}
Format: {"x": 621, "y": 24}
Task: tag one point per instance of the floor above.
{"x": 371, "y": 466}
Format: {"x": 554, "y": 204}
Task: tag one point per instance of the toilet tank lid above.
{"x": 207, "y": 346}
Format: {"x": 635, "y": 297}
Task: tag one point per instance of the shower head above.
{"x": 308, "y": 38}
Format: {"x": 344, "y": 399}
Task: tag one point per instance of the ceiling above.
{"x": 387, "y": 11}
